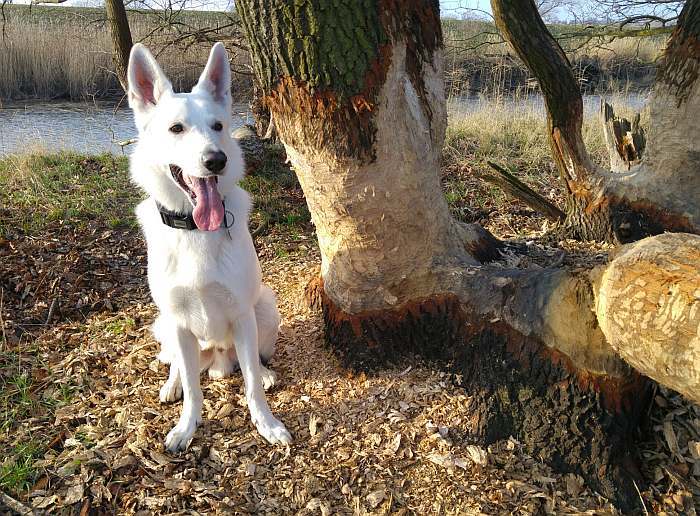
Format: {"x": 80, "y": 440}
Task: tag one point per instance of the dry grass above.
{"x": 50, "y": 52}
{"x": 477, "y": 61}
{"x": 513, "y": 133}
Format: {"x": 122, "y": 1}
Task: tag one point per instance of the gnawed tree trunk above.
{"x": 357, "y": 96}
{"x": 625, "y": 140}
{"x": 660, "y": 192}
{"x": 121, "y": 38}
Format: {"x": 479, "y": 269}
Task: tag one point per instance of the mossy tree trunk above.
{"x": 655, "y": 194}
{"x": 356, "y": 91}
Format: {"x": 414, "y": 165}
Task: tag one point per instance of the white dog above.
{"x": 203, "y": 272}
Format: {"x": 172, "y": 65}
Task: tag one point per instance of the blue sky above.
{"x": 456, "y": 7}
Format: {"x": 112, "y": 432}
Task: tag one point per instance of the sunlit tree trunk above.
{"x": 356, "y": 92}
{"x": 121, "y": 38}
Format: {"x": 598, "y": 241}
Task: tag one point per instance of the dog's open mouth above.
{"x": 203, "y": 193}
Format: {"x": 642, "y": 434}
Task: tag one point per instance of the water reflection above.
{"x": 89, "y": 128}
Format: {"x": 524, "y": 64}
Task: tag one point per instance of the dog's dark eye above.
{"x": 176, "y": 128}
{"x": 217, "y": 126}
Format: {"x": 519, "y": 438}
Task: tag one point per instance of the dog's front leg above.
{"x": 187, "y": 361}
{"x": 246, "y": 342}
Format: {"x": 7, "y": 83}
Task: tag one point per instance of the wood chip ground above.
{"x": 380, "y": 444}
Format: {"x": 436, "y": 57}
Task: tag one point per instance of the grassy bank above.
{"x": 55, "y": 52}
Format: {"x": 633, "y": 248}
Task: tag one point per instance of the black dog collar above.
{"x": 181, "y": 221}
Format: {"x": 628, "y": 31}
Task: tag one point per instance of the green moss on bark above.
{"x": 326, "y": 44}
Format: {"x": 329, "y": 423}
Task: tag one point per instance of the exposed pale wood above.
{"x": 270, "y": 133}
{"x": 514, "y": 187}
{"x": 648, "y": 306}
{"x": 625, "y": 140}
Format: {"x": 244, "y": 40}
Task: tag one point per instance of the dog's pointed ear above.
{"x": 216, "y": 77}
{"x": 147, "y": 82}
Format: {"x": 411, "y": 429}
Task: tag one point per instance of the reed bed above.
{"x": 477, "y": 61}
{"x": 56, "y": 52}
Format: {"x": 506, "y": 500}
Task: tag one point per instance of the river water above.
{"x": 93, "y": 128}
{"x": 89, "y": 128}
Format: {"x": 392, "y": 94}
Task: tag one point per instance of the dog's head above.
{"x": 185, "y": 138}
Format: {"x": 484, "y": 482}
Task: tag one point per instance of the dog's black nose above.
{"x": 214, "y": 161}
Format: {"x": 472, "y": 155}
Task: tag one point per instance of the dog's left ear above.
{"x": 216, "y": 77}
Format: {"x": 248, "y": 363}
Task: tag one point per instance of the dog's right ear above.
{"x": 147, "y": 82}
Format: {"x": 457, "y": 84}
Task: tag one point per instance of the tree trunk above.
{"x": 655, "y": 194}
{"x": 358, "y": 100}
{"x": 121, "y": 38}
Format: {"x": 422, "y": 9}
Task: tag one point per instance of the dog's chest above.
{"x": 177, "y": 262}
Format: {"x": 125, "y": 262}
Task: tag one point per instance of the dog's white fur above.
{"x": 214, "y": 309}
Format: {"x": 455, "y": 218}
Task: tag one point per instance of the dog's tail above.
{"x": 268, "y": 318}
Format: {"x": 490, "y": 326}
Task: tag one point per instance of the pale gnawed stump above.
{"x": 649, "y": 309}
{"x": 625, "y": 140}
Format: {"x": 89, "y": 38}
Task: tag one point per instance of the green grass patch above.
{"x": 17, "y": 471}
{"x": 16, "y": 401}
{"x": 121, "y": 326}
{"x": 66, "y": 188}
{"x": 38, "y": 191}
{"x": 277, "y": 195}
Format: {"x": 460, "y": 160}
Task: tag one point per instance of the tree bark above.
{"x": 357, "y": 96}
{"x": 656, "y": 194}
{"x": 121, "y": 39}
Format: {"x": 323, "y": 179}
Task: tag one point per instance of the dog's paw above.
{"x": 180, "y": 436}
{"x": 268, "y": 377}
{"x": 222, "y": 365}
{"x": 273, "y": 431}
{"x": 216, "y": 373}
{"x": 170, "y": 391}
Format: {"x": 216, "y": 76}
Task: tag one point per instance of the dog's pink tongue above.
{"x": 209, "y": 210}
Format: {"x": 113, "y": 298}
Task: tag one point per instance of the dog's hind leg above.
{"x": 267, "y": 317}
{"x": 187, "y": 362}
{"x": 172, "y": 388}
{"x": 268, "y": 376}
